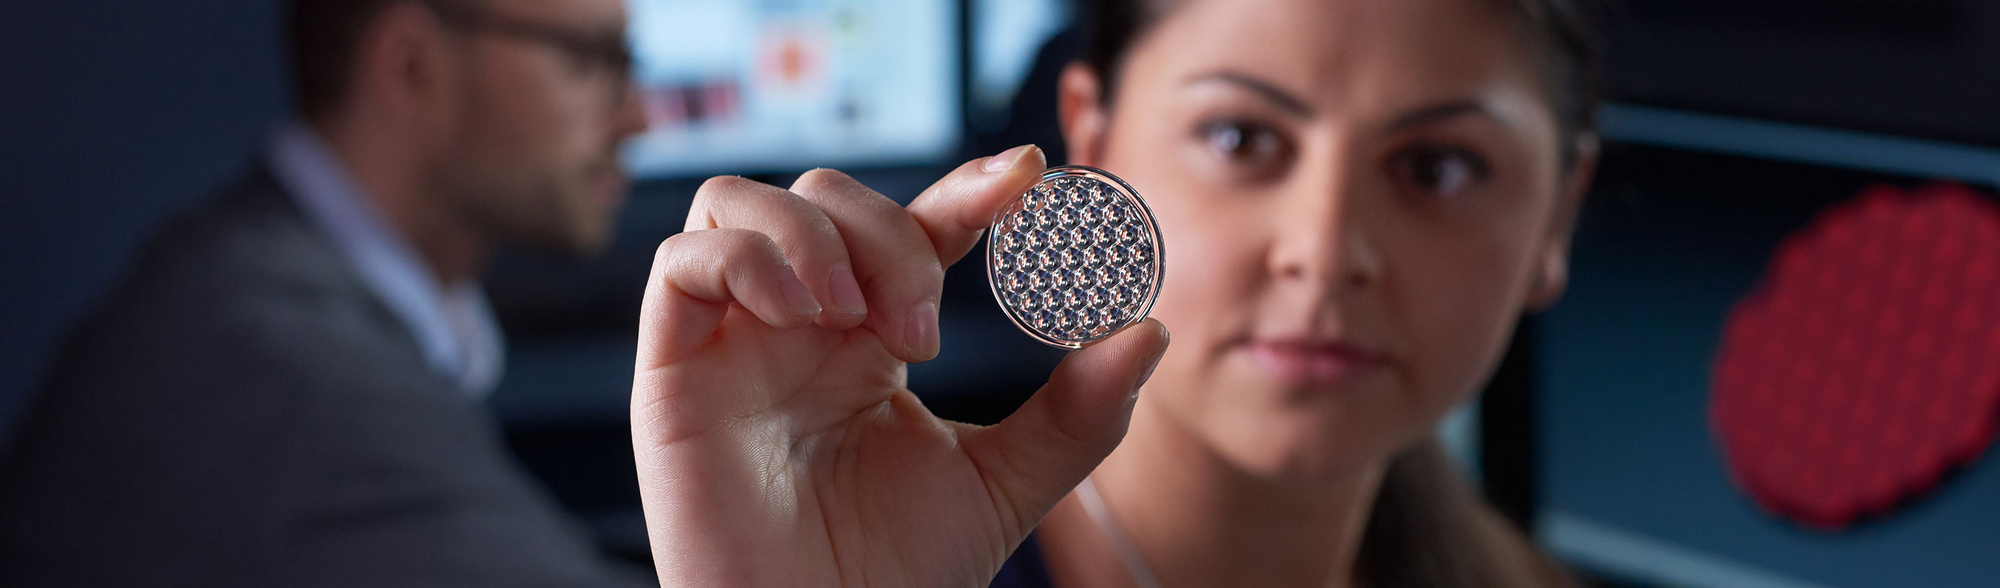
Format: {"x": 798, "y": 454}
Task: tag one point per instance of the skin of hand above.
{"x": 777, "y": 442}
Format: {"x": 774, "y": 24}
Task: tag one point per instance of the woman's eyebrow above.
{"x": 1284, "y": 100}
{"x": 1442, "y": 112}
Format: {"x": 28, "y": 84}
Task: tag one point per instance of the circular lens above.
{"x": 1086, "y": 246}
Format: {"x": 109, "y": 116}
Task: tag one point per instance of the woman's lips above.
{"x": 1306, "y": 362}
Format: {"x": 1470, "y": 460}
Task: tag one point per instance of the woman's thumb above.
{"x": 1041, "y": 452}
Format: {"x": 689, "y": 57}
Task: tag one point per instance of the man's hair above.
{"x": 324, "y": 36}
{"x": 322, "y": 41}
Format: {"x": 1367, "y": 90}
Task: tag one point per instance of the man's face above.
{"x": 533, "y": 156}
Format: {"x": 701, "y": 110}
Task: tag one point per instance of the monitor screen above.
{"x": 1695, "y": 431}
{"x": 1006, "y": 37}
{"x": 742, "y": 86}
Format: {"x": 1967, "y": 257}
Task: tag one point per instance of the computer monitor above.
{"x": 1007, "y": 35}
{"x": 747, "y": 86}
{"x": 1649, "y": 467}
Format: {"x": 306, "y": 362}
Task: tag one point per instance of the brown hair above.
{"x": 1565, "y": 31}
{"x": 1428, "y": 528}
{"x": 321, "y": 41}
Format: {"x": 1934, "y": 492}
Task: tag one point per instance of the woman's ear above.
{"x": 1552, "y": 269}
{"x": 1080, "y": 108}
{"x": 1551, "y": 277}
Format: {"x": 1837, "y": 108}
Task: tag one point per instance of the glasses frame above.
{"x": 609, "y": 54}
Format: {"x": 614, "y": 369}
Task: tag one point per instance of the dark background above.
{"x": 1732, "y": 123}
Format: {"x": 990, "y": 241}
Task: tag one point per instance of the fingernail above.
{"x": 798, "y": 296}
{"x": 846, "y": 292}
{"x": 1006, "y": 160}
{"x": 1147, "y": 376}
{"x": 920, "y": 331}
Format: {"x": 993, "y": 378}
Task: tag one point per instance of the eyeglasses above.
{"x": 596, "y": 52}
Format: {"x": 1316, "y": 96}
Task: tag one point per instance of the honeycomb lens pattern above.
{"x": 1076, "y": 258}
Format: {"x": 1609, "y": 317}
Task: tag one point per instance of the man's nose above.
{"x": 630, "y": 117}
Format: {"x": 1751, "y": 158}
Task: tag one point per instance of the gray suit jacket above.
{"x": 244, "y": 412}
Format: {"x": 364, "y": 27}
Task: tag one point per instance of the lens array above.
{"x": 1074, "y": 259}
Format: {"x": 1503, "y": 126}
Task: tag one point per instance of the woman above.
{"x": 1361, "y": 198}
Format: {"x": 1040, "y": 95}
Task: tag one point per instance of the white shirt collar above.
{"x": 453, "y": 324}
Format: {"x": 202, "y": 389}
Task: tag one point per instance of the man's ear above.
{"x": 1552, "y": 268}
{"x": 1080, "y": 108}
{"x": 401, "y": 62}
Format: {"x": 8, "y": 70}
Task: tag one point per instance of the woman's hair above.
{"x": 1428, "y": 527}
{"x": 1564, "y": 31}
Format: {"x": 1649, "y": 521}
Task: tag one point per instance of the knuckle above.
{"x": 722, "y": 184}
{"x": 803, "y": 229}
{"x": 670, "y": 245}
{"x": 824, "y": 180}
{"x": 822, "y": 227}
{"x": 744, "y": 241}
{"x": 725, "y": 242}
{"x": 702, "y": 210}
{"x": 744, "y": 252}
{"x": 721, "y": 189}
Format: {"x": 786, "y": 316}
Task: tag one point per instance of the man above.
{"x": 285, "y": 391}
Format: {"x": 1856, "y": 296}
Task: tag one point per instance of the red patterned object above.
{"x": 1866, "y": 366}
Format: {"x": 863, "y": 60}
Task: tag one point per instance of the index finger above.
{"x": 955, "y": 210}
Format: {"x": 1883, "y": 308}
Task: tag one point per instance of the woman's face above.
{"x": 1359, "y": 197}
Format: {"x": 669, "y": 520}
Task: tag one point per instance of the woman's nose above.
{"x": 1323, "y": 238}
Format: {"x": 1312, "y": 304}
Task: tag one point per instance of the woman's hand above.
{"x": 777, "y": 444}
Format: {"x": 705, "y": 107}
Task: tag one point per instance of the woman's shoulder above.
{"x": 1025, "y": 568}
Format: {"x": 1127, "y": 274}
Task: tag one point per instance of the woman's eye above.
{"x": 1242, "y": 142}
{"x": 1440, "y": 171}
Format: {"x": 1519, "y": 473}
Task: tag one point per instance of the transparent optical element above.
{"x": 1075, "y": 258}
